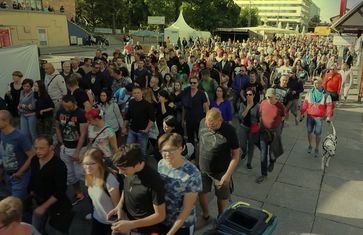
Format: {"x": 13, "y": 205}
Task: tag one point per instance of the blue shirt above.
{"x": 226, "y": 109}
{"x": 177, "y": 182}
{"x": 12, "y": 150}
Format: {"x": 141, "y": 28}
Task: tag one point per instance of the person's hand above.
{"x": 249, "y": 105}
{"x": 293, "y": 92}
{"x": 30, "y": 106}
{"x": 144, "y": 131}
{"x": 114, "y": 212}
{"x": 124, "y": 131}
{"x": 41, "y": 112}
{"x": 17, "y": 175}
{"x": 122, "y": 226}
{"x": 75, "y": 157}
{"x": 328, "y": 120}
{"x": 162, "y": 99}
{"x": 225, "y": 180}
{"x": 39, "y": 211}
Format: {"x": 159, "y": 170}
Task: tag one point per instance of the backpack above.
{"x": 119, "y": 178}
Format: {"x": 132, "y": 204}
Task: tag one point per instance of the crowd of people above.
{"x": 197, "y": 110}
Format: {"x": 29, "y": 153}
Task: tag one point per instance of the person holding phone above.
{"x": 103, "y": 189}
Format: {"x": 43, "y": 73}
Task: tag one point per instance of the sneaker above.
{"x": 202, "y": 222}
{"x": 271, "y": 166}
{"x": 309, "y": 149}
{"x": 316, "y": 153}
{"x": 77, "y": 198}
{"x": 249, "y": 166}
{"x": 260, "y": 179}
{"x": 88, "y": 216}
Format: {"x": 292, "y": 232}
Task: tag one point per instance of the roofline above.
{"x": 346, "y": 16}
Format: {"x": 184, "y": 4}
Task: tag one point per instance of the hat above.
{"x": 270, "y": 92}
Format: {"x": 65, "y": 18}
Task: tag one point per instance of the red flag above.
{"x": 343, "y": 5}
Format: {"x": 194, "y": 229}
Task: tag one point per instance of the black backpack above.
{"x": 119, "y": 178}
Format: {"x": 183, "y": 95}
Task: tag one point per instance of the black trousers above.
{"x": 100, "y": 228}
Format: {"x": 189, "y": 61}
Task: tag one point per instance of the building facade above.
{"x": 69, "y": 6}
{"x": 284, "y": 13}
{"x": 20, "y": 27}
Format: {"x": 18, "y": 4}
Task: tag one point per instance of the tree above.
{"x": 209, "y": 15}
{"x": 249, "y": 17}
{"x": 168, "y": 8}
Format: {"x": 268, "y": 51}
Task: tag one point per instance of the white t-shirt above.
{"x": 102, "y": 203}
{"x": 102, "y": 142}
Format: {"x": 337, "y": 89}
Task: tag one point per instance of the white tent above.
{"x": 181, "y": 29}
{"x": 18, "y": 58}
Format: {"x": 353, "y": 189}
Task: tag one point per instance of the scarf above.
{"x": 317, "y": 95}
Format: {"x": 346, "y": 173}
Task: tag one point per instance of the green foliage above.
{"x": 245, "y": 15}
{"x": 200, "y": 14}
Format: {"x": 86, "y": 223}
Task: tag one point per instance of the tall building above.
{"x": 284, "y": 13}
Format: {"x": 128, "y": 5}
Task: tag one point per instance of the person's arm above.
{"x": 206, "y": 107}
{"x": 339, "y": 83}
{"x": 30, "y": 154}
{"x": 87, "y": 106}
{"x": 118, "y": 209}
{"x": 233, "y": 164}
{"x": 118, "y": 115}
{"x": 157, "y": 217}
{"x": 83, "y": 129}
{"x": 113, "y": 143}
{"x": 62, "y": 85}
{"x": 58, "y": 132}
{"x": 151, "y": 116}
{"x": 45, "y": 110}
{"x": 188, "y": 205}
{"x": 148, "y": 127}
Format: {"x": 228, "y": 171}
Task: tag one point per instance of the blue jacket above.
{"x": 240, "y": 82}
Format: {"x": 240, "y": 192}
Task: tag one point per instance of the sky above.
{"x": 329, "y": 8}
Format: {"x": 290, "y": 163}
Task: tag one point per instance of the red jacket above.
{"x": 332, "y": 82}
{"x": 318, "y": 110}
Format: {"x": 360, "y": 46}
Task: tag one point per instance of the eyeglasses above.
{"x": 249, "y": 94}
{"x": 89, "y": 163}
{"x": 168, "y": 151}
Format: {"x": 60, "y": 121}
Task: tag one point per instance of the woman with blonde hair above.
{"x": 11, "y": 210}
{"x": 103, "y": 189}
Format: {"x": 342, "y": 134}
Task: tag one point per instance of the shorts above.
{"x": 222, "y": 192}
{"x": 314, "y": 125}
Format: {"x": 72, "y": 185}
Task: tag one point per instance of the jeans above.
{"x": 40, "y": 222}
{"x": 28, "y": 125}
{"x": 140, "y": 138}
{"x": 264, "y": 151}
{"x": 74, "y": 169}
{"x": 18, "y": 187}
{"x": 246, "y": 140}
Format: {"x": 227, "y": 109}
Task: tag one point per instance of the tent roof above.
{"x": 265, "y": 28}
{"x": 180, "y": 24}
{"x": 350, "y": 21}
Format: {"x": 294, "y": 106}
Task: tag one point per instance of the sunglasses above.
{"x": 249, "y": 94}
{"x": 193, "y": 82}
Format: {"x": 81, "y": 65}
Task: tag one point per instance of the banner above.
{"x": 24, "y": 59}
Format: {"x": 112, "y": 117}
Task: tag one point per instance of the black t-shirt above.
{"x": 193, "y": 105}
{"x": 12, "y": 100}
{"x": 41, "y": 103}
{"x": 81, "y": 97}
{"x": 140, "y": 76}
{"x": 50, "y": 180}
{"x": 96, "y": 82}
{"x": 141, "y": 192}
{"x": 139, "y": 113}
{"x": 216, "y": 148}
{"x": 70, "y": 126}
